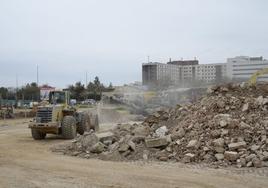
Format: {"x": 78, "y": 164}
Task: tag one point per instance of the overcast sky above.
{"x": 112, "y": 38}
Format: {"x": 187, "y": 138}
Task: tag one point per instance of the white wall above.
{"x": 243, "y": 67}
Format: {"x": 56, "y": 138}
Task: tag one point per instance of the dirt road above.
{"x": 28, "y": 163}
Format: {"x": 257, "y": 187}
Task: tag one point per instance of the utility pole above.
{"x": 86, "y": 78}
{"x": 16, "y": 81}
{"x": 0, "y": 101}
{"x": 16, "y": 97}
{"x": 37, "y": 75}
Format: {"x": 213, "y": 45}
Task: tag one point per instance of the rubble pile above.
{"x": 229, "y": 126}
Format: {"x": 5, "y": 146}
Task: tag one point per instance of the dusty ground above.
{"x": 28, "y": 163}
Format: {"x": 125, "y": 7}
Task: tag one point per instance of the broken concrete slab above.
{"x": 219, "y": 156}
{"x": 218, "y": 142}
{"x": 161, "y": 131}
{"x": 231, "y": 155}
{"x": 88, "y": 141}
{"x": 188, "y": 157}
{"x": 156, "y": 142}
{"x": 123, "y": 147}
{"x": 132, "y": 145}
{"x": 105, "y": 136}
{"x": 237, "y": 145}
{"x": 257, "y": 163}
{"x": 98, "y": 147}
{"x": 245, "y": 107}
{"x": 193, "y": 144}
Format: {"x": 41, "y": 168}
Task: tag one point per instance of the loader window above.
{"x": 57, "y": 97}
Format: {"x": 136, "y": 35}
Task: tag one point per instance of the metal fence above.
{"x": 20, "y": 103}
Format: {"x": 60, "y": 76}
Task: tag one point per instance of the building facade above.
{"x": 239, "y": 68}
{"x": 210, "y": 73}
{"x": 153, "y": 73}
{"x": 44, "y": 91}
{"x": 242, "y": 67}
{"x": 182, "y": 72}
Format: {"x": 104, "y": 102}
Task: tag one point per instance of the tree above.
{"x": 110, "y": 85}
{"x": 97, "y": 81}
{"x": 3, "y": 93}
{"x": 95, "y": 89}
{"x": 92, "y": 91}
{"x": 77, "y": 91}
{"x": 29, "y": 92}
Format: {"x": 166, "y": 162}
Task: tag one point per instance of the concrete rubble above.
{"x": 228, "y": 126}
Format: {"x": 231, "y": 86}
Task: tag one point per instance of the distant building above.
{"x": 180, "y": 72}
{"x": 184, "y": 62}
{"x": 242, "y": 67}
{"x": 211, "y": 72}
{"x": 44, "y": 91}
{"x": 239, "y": 68}
{"x": 155, "y": 72}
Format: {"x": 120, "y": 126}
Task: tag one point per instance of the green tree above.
{"x": 92, "y": 91}
{"x": 29, "y": 92}
{"x": 97, "y": 81}
{"x": 3, "y": 93}
{"x": 110, "y": 85}
{"x": 77, "y": 91}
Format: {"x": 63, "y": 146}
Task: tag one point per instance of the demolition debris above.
{"x": 229, "y": 126}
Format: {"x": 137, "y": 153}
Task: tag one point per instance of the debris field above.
{"x": 226, "y": 127}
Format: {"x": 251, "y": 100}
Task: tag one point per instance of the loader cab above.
{"x": 59, "y": 97}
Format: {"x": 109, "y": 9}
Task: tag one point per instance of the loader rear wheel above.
{"x": 84, "y": 125}
{"x": 68, "y": 127}
{"x": 38, "y": 135}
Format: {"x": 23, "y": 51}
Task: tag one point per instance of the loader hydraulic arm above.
{"x": 253, "y": 79}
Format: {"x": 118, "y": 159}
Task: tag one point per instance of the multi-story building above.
{"x": 211, "y": 72}
{"x": 242, "y": 67}
{"x": 153, "y": 73}
{"x": 180, "y": 72}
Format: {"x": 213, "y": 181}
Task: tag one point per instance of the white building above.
{"x": 155, "y": 72}
{"x": 211, "y": 72}
{"x": 242, "y": 67}
{"x": 180, "y": 72}
{"x": 239, "y": 68}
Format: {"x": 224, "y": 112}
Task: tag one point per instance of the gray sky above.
{"x": 111, "y": 38}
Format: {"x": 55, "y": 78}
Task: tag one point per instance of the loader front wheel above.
{"x": 38, "y": 135}
{"x": 84, "y": 125}
{"x": 68, "y": 127}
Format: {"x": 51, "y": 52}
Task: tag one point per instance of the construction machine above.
{"x": 60, "y": 118}
{"x": 253, "y": 79}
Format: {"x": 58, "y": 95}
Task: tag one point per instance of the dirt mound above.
{"x": 228, "y": 126}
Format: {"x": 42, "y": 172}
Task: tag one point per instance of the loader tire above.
{"x": 38, "y": 135}
{"x": 84, "y": 124}
{"x": 68, "y": 127}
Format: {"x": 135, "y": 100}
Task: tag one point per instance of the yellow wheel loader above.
{"x": 58, "y": 117}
